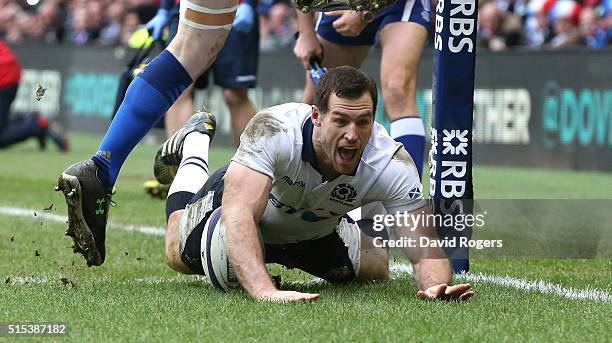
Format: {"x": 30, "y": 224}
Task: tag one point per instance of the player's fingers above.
{"x": 297, "y": 296}
{"x": 436, "y": 291}
{"x": 302, "y": 57}
{"x": 462, "y": 287}
{"x": 316, "y": 52}
{"x": 312, "y": 297}
{"x": 338, "y": 25}
{"x": 466, "y": 295}
{"x": 422, "y": 295}
{"x": 334, "y": 13}
{"x": 290, "y": 296}
{"x": 457, "y": 290}
{"x": 343, "y": 31}
{"x": 307, "y": 58}
{"x": 305, "y": 50}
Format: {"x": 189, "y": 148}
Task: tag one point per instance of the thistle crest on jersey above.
{"x": 345, "y": 193}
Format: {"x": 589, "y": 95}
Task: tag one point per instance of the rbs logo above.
{"x": 461, "y": 29}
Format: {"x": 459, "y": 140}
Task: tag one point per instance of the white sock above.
{"x": 407, "y": 126}
{"x": 410, "y": 131}
{"x": 193, "y": 171}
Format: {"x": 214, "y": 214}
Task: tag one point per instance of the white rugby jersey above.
{"x": 278, "y": 143}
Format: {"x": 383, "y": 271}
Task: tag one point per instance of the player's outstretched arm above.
{"x": 432, "y": 270}
{"x": 244, "y": 201}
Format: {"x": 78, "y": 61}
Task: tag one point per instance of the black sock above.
{"x": 177, "y": 201}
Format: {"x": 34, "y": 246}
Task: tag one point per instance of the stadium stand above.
{"x": 503, "y": 24}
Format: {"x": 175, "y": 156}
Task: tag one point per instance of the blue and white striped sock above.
{"x": 411, "y": 133}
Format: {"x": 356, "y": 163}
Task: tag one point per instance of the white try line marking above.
{"x": 149, "y": 280}
{"x": 397, "y": 268}
{"x": 525, "y": 285}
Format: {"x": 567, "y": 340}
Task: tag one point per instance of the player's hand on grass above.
{"x": 446, "y": 292}
{"x": 286, "y": 296}
{"x": 349, "y": 24}
{"x": 306, "y": 47}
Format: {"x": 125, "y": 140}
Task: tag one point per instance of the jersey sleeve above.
{"x": 264, "y": 144}
{"x": 399, "y": 186}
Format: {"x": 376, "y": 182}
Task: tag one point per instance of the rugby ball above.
{"x": 215, "y": 260}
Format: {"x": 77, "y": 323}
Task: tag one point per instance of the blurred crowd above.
{"x": 552, "y": 24}
{"x": 79, "y": 22}
{"x": 501, "y": 23}
{"x": 112, "y": 22}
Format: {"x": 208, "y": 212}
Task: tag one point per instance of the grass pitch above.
{"x": 135, "y": 297}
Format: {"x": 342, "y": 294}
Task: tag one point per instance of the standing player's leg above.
{"x": 236, "y": 71}
{"x": 203, "y": 28}
{"x": 241, "y": 108}
{"x": 178, "y": 114}
{"x": 200, "y": 36}
{"x": 402, "y": 44}
{"x": 182, "y": 109}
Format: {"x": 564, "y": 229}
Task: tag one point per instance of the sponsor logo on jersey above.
{"x": 291, "y": 182}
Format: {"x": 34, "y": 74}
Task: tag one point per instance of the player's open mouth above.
{"x": 347, "y": 154}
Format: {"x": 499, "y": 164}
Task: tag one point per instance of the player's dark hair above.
{"x": 346, "y": 82}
